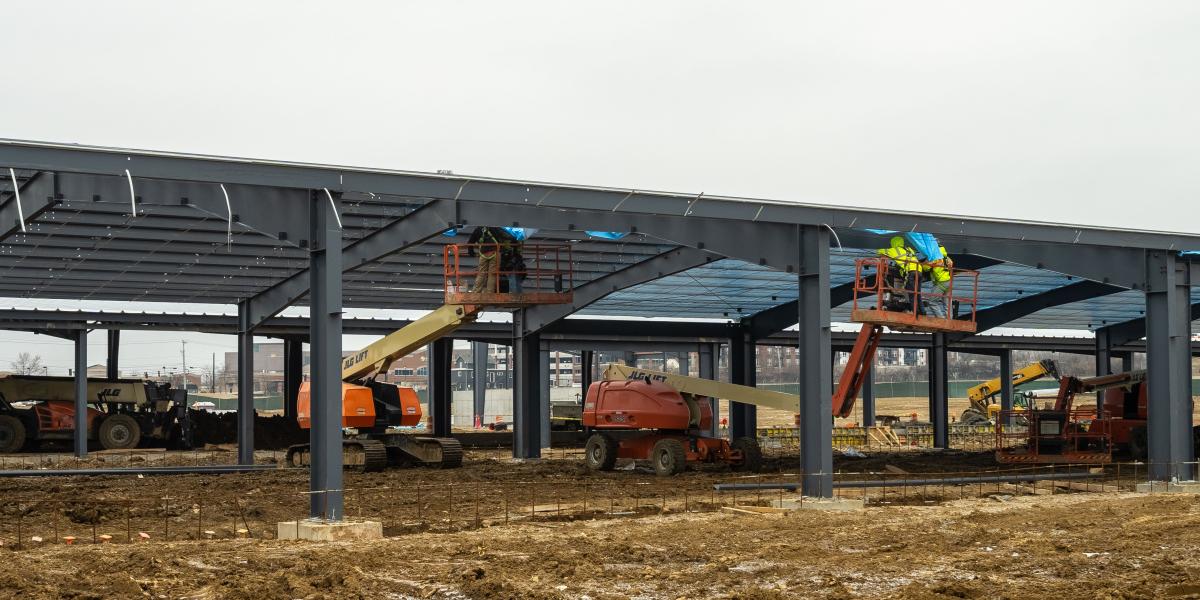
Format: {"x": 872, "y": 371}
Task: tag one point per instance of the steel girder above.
{"x": 815, "y": 356}
{"x": 1168, "y": 368}
{"x": 215, "y": 170}
{"x": 667, "y": 263}
{"x": 1007, "y": 312}
{"x": 1135, "y": 329}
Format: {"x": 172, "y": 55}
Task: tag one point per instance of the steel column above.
{"x": 544, "y": 393}
{"x": 441, "y": 353}
{"x": 1126, "y": 362}
{"x": 1168, "y": 367}
{"x": 112, "y": 368}
{"x": 1103, "y": 363}
{"x": 708, "y": 370}
{"x": 1006, "y": 380}
{"x": 527, "y": 424}
{"x": 587, "y": 363}
{"x": 326, "y": 498}
{"x": 743, "y": 367}
{"x": 868, "y": 396}
{"x": 293, "y": 374}
{"x": 938, "y": 391}
{"x": 685, "y": 359}
{"x": 479, "y": 371}
{"x": 245, "y": 393}
{"x": 815, "y": 352}
{"x": 81, "y": 394}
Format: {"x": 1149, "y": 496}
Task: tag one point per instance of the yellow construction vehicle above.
{"x": 375, "y": 413}
{"x": 983, "y": 407}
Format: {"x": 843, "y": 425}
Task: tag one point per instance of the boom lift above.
{"x": 1065, "y": 434}
{"x": 674, "y": 410}
{"x": 983, "y": 409}
{"x": 373, "y": 411}
{"x": 880, "y": 301}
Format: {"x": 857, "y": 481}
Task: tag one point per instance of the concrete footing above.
{"x": 833, "y": 504}
{"x": 1175, "y": 487}
{"x": 330, "y": 531}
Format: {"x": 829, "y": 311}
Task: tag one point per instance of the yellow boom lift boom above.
{"x": 983, "y": 409}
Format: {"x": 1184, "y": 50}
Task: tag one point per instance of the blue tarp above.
{"x": 1190, "y": 253}
{"x": 520, "y": 233}
{"x": 925, "y": 244}
{"x": 608, "y": 235}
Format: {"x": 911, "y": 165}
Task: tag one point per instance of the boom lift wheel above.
{"x": 119, "y": 432}
{"x": 669, "y": 457}
{"x": 751, "y": 454}
{"x": 12, "y": 434}
{"x": 601, "y": 452}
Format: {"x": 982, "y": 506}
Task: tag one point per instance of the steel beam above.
{"x": 1103, "y": 363}
{"x": 81, "y": 395}
{"x": 1007, "y": 312}
{"x": 1168, "y": 368}
{"x": 657, "y": 267}
{"x": 414, "y": 228}
{"x": 548, "y": 197}
{"x": 1135, "y": 329}
{"x": 587, "y": 368}
{"x": 527, "y": 423}
{"x": 326, "y": 498}
{"x": 479, "y": 373}
{"x": 293, "y": 374}
{"x": 544, "y": 394}
{"x": 1116, "y": 265}
{"x": 707, "y": 356}
{"x": 939, "y": 391}
{"x": 245, "y": 393}
{"x": 112, "y": 364}
{"x": 743, "y": 370}
{"x": 38, "y": 194}
{"x": 815, "y": 354}
{"x": 441, "y": 353}
{"x": 1006, "y": 380}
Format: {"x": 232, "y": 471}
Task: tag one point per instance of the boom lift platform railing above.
{"x": 884, "y": 298}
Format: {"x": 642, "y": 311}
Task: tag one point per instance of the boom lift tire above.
{"x": 1138, "y": 443}
{"x": 600, "y": 452}
{"x": 751, "y": 454}
{"x": 119, "y": 432}
{"x": 12, "y": 434}
{"x": 669, "y": 457}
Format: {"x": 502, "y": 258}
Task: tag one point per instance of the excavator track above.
{"x": 361, "y": 456}
{"x": 444, "y": 453}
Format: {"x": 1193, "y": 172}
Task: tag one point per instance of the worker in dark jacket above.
{"x": 491, "y": 242}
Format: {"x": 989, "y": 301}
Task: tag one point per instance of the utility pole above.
{"x": 212, "y": 379}
{"x": 183, "y": 354}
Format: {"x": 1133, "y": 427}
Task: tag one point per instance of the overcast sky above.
{"x": 1065, "y": 111}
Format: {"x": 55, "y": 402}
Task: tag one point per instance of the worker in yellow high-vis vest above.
{"x": 903, "y": 267}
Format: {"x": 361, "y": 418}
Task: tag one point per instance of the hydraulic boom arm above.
{"x": 707, "y": 387}
{"x": 376, "y": 357}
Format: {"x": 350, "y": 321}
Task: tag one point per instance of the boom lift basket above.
{"x": 542, "y": 275}
{"x": 881, "y": 298}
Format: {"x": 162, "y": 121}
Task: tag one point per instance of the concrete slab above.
{"x": 1172, "y": 487}
{"x": 329, "y": 531}
{"x": 831, "y": 504}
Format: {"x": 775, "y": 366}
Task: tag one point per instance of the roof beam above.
{"x": 208, "y": 169}
{"x": 667, "y": 263}
{"x": 412, "y": 229}
{"x": 1135, "y": 329}
{"x": 1008, "y": 312}
{"x": 38, "y": 194}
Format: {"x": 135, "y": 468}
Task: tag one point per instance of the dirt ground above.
{"x": 498, "y": 528}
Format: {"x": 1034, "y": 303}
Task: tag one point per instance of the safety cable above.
{"x": 132, "y": 196}
{"x": 17, "y": 196}
{"x": 333, "y": 205}
{"x": 228, "y": 221}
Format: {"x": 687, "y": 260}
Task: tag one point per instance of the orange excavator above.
{"x": 377, "y": 415}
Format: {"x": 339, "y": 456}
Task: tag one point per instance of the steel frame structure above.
{"x": 136, "y": 226}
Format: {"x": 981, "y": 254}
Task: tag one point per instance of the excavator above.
{"x": 375, "y": 413}
{"x": 983, "y": 409}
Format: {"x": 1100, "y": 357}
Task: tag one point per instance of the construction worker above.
{"x": 490, "y": 241}
{"x": 938, "y": 273}
{"x": 902, "y": 266}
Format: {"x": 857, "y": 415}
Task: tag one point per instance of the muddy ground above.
{"x": 550, "y": 529}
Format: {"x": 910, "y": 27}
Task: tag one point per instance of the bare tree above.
{"x": 27, "y": 364}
